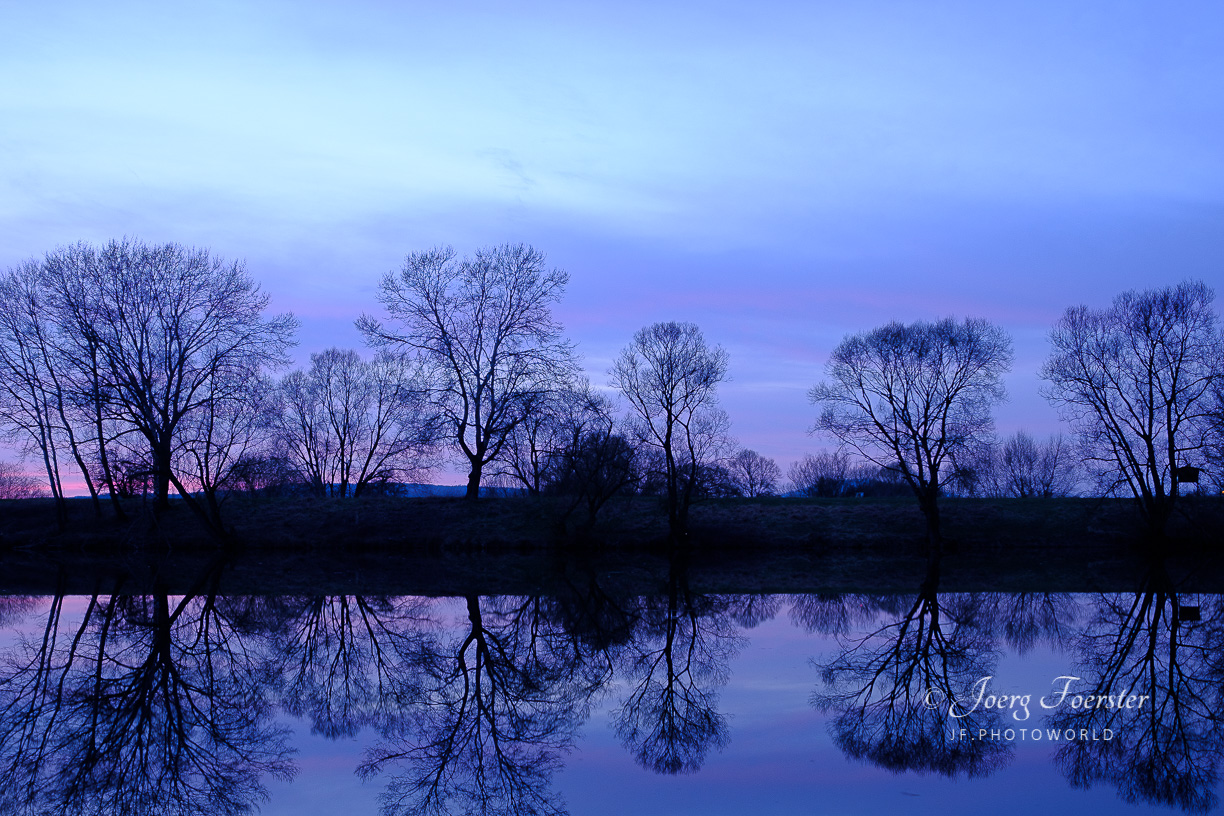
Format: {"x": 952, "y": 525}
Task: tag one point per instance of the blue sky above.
{"x": 780, "y": 175}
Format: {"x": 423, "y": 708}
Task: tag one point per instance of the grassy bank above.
{"x": 439, "y": 546}
{"x": 445, "y": 524}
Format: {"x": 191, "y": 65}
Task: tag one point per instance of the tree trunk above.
{"x": 1159, "y": 509}
{"x": 213, "y": 525}
{"x": 473, "y": 483}
{"x": 161, "y": 476}
{"x": 107, "y": 474}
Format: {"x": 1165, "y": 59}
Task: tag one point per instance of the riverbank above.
{"x": 435, "y": 524}
{"x": 381, "y": 545}
{"x": 826, "y": 571}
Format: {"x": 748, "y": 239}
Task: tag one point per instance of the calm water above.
{"x": 589, "y": 703}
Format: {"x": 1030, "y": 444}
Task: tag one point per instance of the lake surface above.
{"x": 595, "y": 702}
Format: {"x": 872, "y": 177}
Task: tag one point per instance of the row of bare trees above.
{"x": 134, "y": 351}
{"x": 156, "y": 703}
{"x": 504, "y": 382}
{"x": 136, "y": 364}
{"x": 145, "y": 367}
{"x": 1140, "y": 382}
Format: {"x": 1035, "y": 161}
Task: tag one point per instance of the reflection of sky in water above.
{"x": 780, "y": 758}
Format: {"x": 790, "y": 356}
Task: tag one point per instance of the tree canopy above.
{"x": 483, "y": 331}
{"x": 912, "y": 398}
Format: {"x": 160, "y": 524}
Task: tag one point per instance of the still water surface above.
{"x": 589, "y": 703}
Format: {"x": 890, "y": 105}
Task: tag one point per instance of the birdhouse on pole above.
{"x": 1186, "y": 474}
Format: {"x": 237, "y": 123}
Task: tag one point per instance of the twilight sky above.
{"x": 781, "y": 175}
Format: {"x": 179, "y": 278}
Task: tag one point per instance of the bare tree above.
{"x": 1214, "y": 452}
{"x": 595, "y": 462}
{"x": 1023, "y": 467}
{"x": 150, "y": 704}
{"x": 69, "y": 277}
{"x": 753, "y": 474}
{"x": 498, "y": 703}
{"x": 1167, "y": 750}
{"x": 820, "y": 474}
{"x": 483, "y": 330}
{"x": 27, "y": 389}
{"x": 1135, "y": 381}
{"x": 174, "y": 327}
{"x": 670, "y": 378}
{"x": 674, "y": 663}
{"x": 535, "y": 445}
{"x": 913, "y": 398}
{"x": 15, "y": 483}
{"x": 881, "y": 686}
{"x": 347, "y": 423}
{"x": 220, "y": 437}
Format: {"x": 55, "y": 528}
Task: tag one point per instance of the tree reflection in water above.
{"x": 1167, "y": 751}
{"x": 346, "y": 662}
{"x": 890, "y": 688}
{"x": 676, "y": 660}
{"x": 152, "y": 705}
{"x": 1025, "y": 620}
{"x": 15, "y": 607}
{"x": 499, "y": 703}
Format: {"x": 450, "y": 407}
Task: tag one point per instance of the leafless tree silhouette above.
{"x": 536, "y": 444}
{"x": 675, "y": 663}
{"x": 16, "y": 483}
{"x": 670, "y": 378}
{"x": 342, "y": 660}
{"x": 1023, "y": 467}
{"x": 29, "y": 397}
{"x": 753, "y": 474}
{"x": 820, "y": 474}
{"x": 497, "y": 708}
{"x": 913, "y": 398}
{"x": 483, "y": 331}
{"x": 1135, "y": 381}
{"x": 346, "y": 422}
{"x": 151, "y": 704}
{"x": 891, "y": 688}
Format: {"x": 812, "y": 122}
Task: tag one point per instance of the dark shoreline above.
{"x": 387, "y": 546}
{"x": 553, "y": 574}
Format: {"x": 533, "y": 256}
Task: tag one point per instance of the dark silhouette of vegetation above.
{"x": 29, "y": 399}
{"x": 825, "y": 474}
{"x": 341, "y": 660}
{"x": 104, "y": 346}
{"x": 482, "y": 330}
{"x": 752, "y": 474}
{"x": 15, "y": 484}
{"x": 593, "y": 468}
{"x": 675, "y": 662}
{"x": 152, "y": 704}
{"x": 1135, "y": 381}
{"x": 890, "y": 687}
{"x": 499, "y": 705}
{"x": 143, "y": 368}
{"x": 915, "y": 398}
{"x": 670, "y": 378}
{"x": 1022, "y": 467}
{"x": 347, "y": 423}
{"x": 140, "y": 703}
